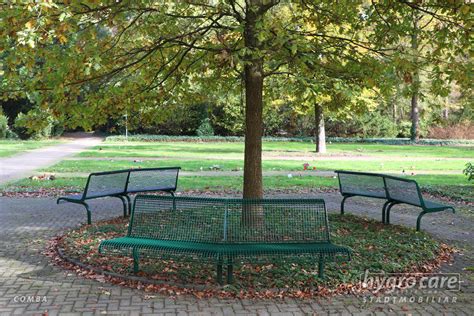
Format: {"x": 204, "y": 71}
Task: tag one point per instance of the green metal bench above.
{"x": 122, "y": 183}
{"x": 406, "y": 191}
{"x": 395, "y": 190}
{"x": 215, "y": 230}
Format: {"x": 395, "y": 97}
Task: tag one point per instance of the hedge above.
{"x": 387, "y": 141}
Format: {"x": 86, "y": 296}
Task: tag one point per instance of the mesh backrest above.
{"x": 362, "y": 184}
{"x": 155, "y": 217}
{"x": 219, "y": 220}
{"x": 152, "y": 180}
{"x": 282, "y": 221}
{"x": 102, "y": 184}
{"x": 403, "y": 191}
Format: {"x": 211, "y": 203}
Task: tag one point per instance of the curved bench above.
{"x": 227, "y": 231}
{"x": 394, "y": 190}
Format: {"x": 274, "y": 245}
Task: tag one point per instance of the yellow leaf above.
{"x": 29, "y": 24}
{"x": 62, "y": 39}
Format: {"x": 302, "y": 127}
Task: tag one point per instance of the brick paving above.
{"x": 27, "y": 223}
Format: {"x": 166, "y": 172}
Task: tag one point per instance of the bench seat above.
{"x": 108, "y": 246}
{"x": 432, "y": 206}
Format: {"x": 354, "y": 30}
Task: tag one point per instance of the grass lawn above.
{"x": 12, "y": 147}
{"x": 380, "y": 164}
{"x": 437, "y": 168}
{"x": 235, "y": 150}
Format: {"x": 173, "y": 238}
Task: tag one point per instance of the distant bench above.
{"x": 215, "y": 230}
{"x": 121, "y": 183}
{"x": 394, "y": 190}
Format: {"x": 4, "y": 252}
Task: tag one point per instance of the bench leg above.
{"x": 230, "y": 272}
{"x": 135, "y": 260}
{"x": 418, "y": 220}
{"x": 124, "y": 202}
{"x": 219, "y": 273}
{"x": 321, "y": 267}
{"x": 384, "y": 209}
{"x": 129, "y": 201}
{"x": 387, "y": 217}
{"x": 174, "y": 201}
{"x": 89, "y": 215}
{"x": 342, "y": 203}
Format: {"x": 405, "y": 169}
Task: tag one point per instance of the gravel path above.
{"x": 26, "y": 224}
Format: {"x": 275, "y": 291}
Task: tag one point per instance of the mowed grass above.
{"x": 282, "y": 156}
{"x": 235, "y": 150}
{"x": 12, "y": 147}
{"x": 436, "y": 168}
{"x": 201, "y": 164}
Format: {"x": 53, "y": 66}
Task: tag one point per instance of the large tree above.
{"x": 94, "y": 59}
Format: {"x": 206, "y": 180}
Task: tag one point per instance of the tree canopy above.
{"x": 87, "y": 61}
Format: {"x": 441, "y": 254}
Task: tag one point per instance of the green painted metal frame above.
{"x": 223, "y": 256}
{"x": 423, "y": 206}
{"x": 348, "y": 195}
{"x": 391, "y": 202}
{"x": 123, "y": 196}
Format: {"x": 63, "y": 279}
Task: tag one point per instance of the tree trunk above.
{"x": 320, "y": 132}
{"x": 253, "y": 77}
{"x": 446, "y": 113}
{"x": 253, "y": 187}
{"x": 415, "y": 116}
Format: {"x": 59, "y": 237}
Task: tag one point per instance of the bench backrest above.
{"x": 131, "y": 181}
{"x": 223, "y": 220}
{"x": 153, "y": 179}
{"x": 106, "y": 183}
{"x": 381, "y": 186}
{"x": 361, "y": 183}
{"x": 404, "y": 190}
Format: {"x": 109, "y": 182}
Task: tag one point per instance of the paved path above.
{"x": 21, "y": 165}
{"x": 26, "y": 224}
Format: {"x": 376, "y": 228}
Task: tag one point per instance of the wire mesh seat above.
{"x": 227, "y": 231}
{"x": 394, "y": 190}
{"x": 121, "y": 183}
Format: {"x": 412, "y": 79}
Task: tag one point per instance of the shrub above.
{"x": 58, "y": 128}
{"x": 386, "y": 141}
{"x": 457, "y": 131}
{"x": 205, "y": 129}
{"x": 469, "y": 171}
{"x": 377, "y": 125}
{"x": 368, "y": 125}
{"x": 405, "y": 129}
{"x": 3, "y": 126}
{"x": 5, "y": 131}
{"x": 37, "y": 124}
